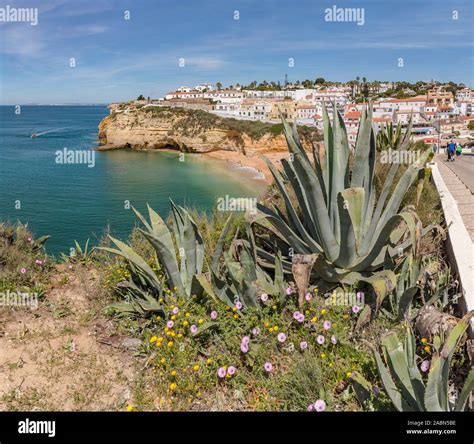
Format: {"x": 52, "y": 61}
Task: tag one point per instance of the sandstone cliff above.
{"x": 192, "y": 131}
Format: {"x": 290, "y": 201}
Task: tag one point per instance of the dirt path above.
{"x": 53, "y": 358}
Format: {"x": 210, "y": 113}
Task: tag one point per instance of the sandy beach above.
{"x": 255, "y": 162}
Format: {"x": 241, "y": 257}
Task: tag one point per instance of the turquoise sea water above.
{"x": 73, "y": 201}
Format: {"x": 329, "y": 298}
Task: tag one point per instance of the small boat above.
{"x": 33, "y": 136}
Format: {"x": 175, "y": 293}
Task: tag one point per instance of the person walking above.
{"x": 458, "y": 150}
{"x": 451, "y": 149}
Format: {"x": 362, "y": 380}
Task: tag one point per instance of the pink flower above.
{"x": 245, "y": 340}
{"x": 320, "y": 405}
{"x": 221, "y": 372}
{"x": 355, "y": 309}
{"x": 425, "y": 366}
{"x": 303, "y": 345}
{"x": 231, "y": 370}
{"x": 193, "y": 329}
{"x": 327, "y": 325}
{"x": 70, "y": 267}
{"x": 23, "y": 270}
{"x": 334, "y": 339}
{"x": 268, "y": 367}
{"x": 29, "y": 239}
{"x": 308, "y": 296}
{"x": 281, "y": 337}
{"x": 264, "y": 297}
{"x": 311, "y": 408}
{"x": 175, "y": 310}
{"x": 298, "y": 316}
{"x": 213, "y": 314}
{"x": 170, "y": 324}
{"x": 256, "y": 331}
{"x": 289, "y": 291}
{"x": 38, "y": 262}
{"x": 238, "y": 305}
{"x": 320, "y": 339}
{"x": 244, "y": 348}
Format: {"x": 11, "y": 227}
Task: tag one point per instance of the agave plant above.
{"x": 239, "y": 278}
{"x": 181, "y": 263}
{"x": 80, "y": 254}
{"x": 339, "y": 219}
{"x": 403, "y": 381}
{"x": 390, "y": 136}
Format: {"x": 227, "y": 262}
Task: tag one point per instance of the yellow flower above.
{"x": 427, "y": 348}
{"x": 323, "y": 355}
{"x": 424, "y": 340}
{"x": 196, "y": 368}
{"x": 173, "y": 386}
{"x": 170, "y": 344}
{"x": 330, "y": 364}
{"x": 175, "y": 288}
{"x": 307, "y": 312}
{"x": 153, "y": 339}
{"x": 158, "y": 318}
{"x": 168, "y": 333}
{"x": 234, "y": 309}
{"x": 162, "y": 360}
{"x": 180, "y": 335}
{"x": 130, "y": 408}
{"x": 209, "y": 361}
{"x": 200, "y": 321}
{"x": 323, "y": 311}
{"x": 173, "y": 334}
{"x": 275, "y": 328}
{"x": 185, "y": 323}
{"x": 173, "y": 317}
{"x": 236, "y": 316}
{"x": 171, "y": 306}
{"x": 270, "y": 329}
{"x": 346, "y": 316}
{"x": 349, "y": 374}
{"x": 187, "y": 315}
{"x": 173, "y": 372}
{"x": 166, "y": 329}
{"x": 274, "y": 307}
{"x": 266, "y": 324}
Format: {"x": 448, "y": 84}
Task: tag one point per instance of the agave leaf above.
{"x": 220, "y": 244}
{"x": 362, "y": 387}
{"x": 364, "y": 317}
{"x": 467, "y": 389}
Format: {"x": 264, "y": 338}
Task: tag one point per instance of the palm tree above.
{"x": 219, "y": 86}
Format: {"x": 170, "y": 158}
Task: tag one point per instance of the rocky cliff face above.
{"x": 188, "y": 131}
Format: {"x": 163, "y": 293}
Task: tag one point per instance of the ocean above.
{"x": 72, "y": 201}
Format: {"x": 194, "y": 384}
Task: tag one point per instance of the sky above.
{"x": 119, "y": 56}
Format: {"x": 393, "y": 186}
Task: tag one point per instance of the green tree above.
{"x": 470, "y": 125}
{"x": 319, "y": 81}
{"x": 219, "y": 86}
{"x": 141, "y": 97}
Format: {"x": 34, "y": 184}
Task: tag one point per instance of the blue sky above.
{"x": 118, "y": 59}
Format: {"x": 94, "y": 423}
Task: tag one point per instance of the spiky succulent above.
{"x": 403, "y": 381}
{"x": 339, "y": 219}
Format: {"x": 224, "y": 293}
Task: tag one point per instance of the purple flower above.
{"x": 213, "y": 314}
{"x": 23, "y": 270}
{"x": 320, "y": 339}
{"x": 308, "y": 296}
{"x": 256, "y": 331}
{"x": 170, "y": 324}
{"x": 221, "y": 372}
{"x": 327, "y": 325}
{"x": 193, "y": 329}
{"x": 268, "y": 367}
{"x": 264, "y": 297}
{"x": 238, "y": 305}
{"x": 231, "y": 370}
{"x": 30, "y": 239}
{"x": 303, "y": 345}
{"x": 296, "y": 314}
{"x": 320, "y": 405}
{"x": 281, "y": 337}
{"x": 38, "y": 262}
{"x": 245, "y": 340}
{"x": 425, "y": 366}
{"x": 175, "y": 310}
{"x": 311, "y": 408}
{"x": 289, "y": 291}
{"x": 355, "y": 309}
{"x": 244, "y": 348}
{"x": 334, "y": 339}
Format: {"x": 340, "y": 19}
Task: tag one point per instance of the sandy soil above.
{"x": 55, "y": 357}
